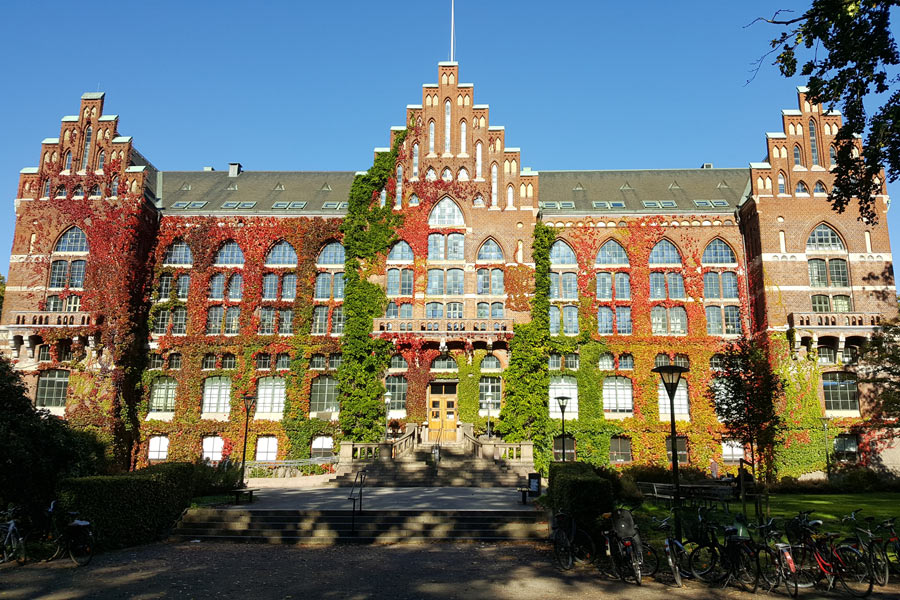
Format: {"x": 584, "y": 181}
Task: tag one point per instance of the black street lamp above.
{"x": 490, "y": 398}
{"x": 563, "y": 401}
{"x": 671, "y": 376}
{"x": 387, "y": 413}
{"x": 827, "y": 458}
{"x": 249, "y": 405}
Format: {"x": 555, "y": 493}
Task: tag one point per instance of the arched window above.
{"x": 323, "y": 394}
{"x": 612, "y": 253}
{"x": 79, "y": 191}
{"x": 415, "y": 161}
{"x": 798, "y": 156}
{"x": 446, "y": 213}
{"x": 331, "y": 254}
{"x": 229, "y": 254}
{"x": 606, "y": 362}
{"x": 819, "y": 188}
{"x": 478, "y": 160}
{"x": 282, "y": 254}
{"x": 801, "y": 189}
{"x": 162, "y": 394}
{"x": 490, "y": 362}
{"x": 832, "y": 156}
{"x": 73, "y": 240}
{"x": 94, "y": 191}
{"x": 46, "y": 192}
{"x": 665, "y": 253}
{"x": 822, "y": 238}
{"x": 444, "y": 362}
{"x": 114, "y": 189}
{"x": 462, "y": 137}
{"x": 490, "y": 251}
{"x": 401, "y": 251}
{"x": 509, "y": 196}
{"x": 782, "y": 187}
{"x": 494, "y": 190}
{"x": 813, "y": 144}
{"x": 101, "y": 160}
{"x": 179, "y": 253}
{"x": 86, "y": 153}
{"x": 718, "y": 253}
{"x": 617, "y": 395}
{"x": 447, "y": 127}
{"x": 398, "y": 196}
{"x": 398, "y": 362}
{"x": 431, "y": 137}
{"x": 61, "y": 191}
{"x": 561, "y": 254}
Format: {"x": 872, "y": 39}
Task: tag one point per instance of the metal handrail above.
{"x": 356, "y": 494}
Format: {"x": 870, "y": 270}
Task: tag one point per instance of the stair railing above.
{"x": 356, "y": 495}
{"x": 471, "y": 445}
{"x": 405, "y": 444}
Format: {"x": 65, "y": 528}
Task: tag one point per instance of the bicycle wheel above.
{"x": 892, "y": 551}
{"x": 635, "y": 560}
{"x": 854, "y": 572}
{"x": 14, "y": 548}
{"x": 881, "y": 567}
{"x": 807, "y": 569}
{"x": 789, "y": 575}
{"x": 683, "y": 553}
{"x": 583, "y": 550}
{"x": 81, "y": 546}
{"x": 706, "y": 564}
{"x": 562, "y": 550}
{"x": 769, "y": 567}
{"x": 674, "y": 567}
{"x": 746, "y": 568}
{"x": 649, "y": 560}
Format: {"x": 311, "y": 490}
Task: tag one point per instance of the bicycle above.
{"x": 677, "y": 554}
{"x": 776, "y": 562}
{"x": 735, "y": 560}
{"x": 13, "y": 542}
{"x": 623, "y": 554}
{"x": 892, "y": 544}
{"x": 818, "y": 556}
{"x": 871, "y": 546}
{"x": 75, "y": 539}
{"x": 570, "y": 544}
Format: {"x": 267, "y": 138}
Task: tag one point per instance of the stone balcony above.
{"x": 37, "y": 318}
{"x": 445, "y": 328}
{"x": 832, "y": 320}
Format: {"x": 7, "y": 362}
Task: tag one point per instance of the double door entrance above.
{"x": 442, "y": 412}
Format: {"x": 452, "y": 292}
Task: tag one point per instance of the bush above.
{"x": 844, "y": 479}
{"x": 575, "y": 488}
{"x": 659, "y": 474}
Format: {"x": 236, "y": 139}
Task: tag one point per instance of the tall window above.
{"x": 52, "y": 387}
{"x": 323, "y": 394}
{"x": 478, "y": 160}
{"x": 447, "y": 127}
{"x": 270, "y": 393}
{"x": 162, "y": 394}
{"x": 798, "y": 156}
{"x": 840, "y": 391}
{"x": 399, "y": 282}
{"x": 86, "y": 150}
{"x": 681, "y": 449}
{"x": 782, "y": 186}
{"x": 490, "y": 282}
{"x": 396, "y": 385}
{"x": 813, "y": 142}
{"x": 328, "y": 285}
{"x": 563, "y": 386}
{"x": 682, "y": 402}
{"x": 217, "y": 395}
{"x": 462, "y": 137}
{"x": 617, "y": 395}
{"x": 494, "y": 185}
{"x": 489, "y": 394}
{"x": 449, "y": 247}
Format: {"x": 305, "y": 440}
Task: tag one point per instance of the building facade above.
{"x": 145, "y": 304}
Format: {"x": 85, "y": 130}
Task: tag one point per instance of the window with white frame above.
{"x": 617, "y": 395}
{"x": 270, "y": 393}
{"x": 267, "y": 447}
{"x": 489, "y": 394}
{"x": 158, "y": 448}
{"x": 52, "y": 387}
{"x": 217, "y": 395}
{"x": 212, "y": 448}
{"x": 322, "y": 447}
{"x": 323, "y": 394}
{"x": 682, "y": 402}
{"x": 397, "y": 386}
{"x": 162, "y": 394}
{"x": 563, "y": 386}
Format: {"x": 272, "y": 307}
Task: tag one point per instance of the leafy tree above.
{"x": 37, "y": 449}
{"x": 744, "y": 391}
{"x": 850, "y": 57}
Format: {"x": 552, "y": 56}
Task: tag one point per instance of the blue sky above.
{"x": 316, "y": 85}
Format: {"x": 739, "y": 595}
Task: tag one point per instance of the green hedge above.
{"x": 577, "y": 489}
{"x": 141, "y": 506}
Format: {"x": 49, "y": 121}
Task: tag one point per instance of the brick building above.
{"x": 145, "y": 304}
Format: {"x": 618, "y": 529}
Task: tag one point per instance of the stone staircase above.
{"x": 456, "y": 468}
{"x": 378, "y": 526}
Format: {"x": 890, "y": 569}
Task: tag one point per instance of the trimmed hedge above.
{"x": 142, "y": 506}
{"x": 577, "y": 489}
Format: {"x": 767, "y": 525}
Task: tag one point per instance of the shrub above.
{"x": 660, "y": 474}
{"x": 575, "y": 488}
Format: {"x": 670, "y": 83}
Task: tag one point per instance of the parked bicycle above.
{"x": 818, "y": 556}
{"x": 735, "y": 560}
{"x": 622, "y": 554}
{"x": 776, "y": 562}
{"x": 891, "y": 544}
{"x": 871, "y": 545}
{"x": 76, "y": 538}
{"x": 677, "y": 555}
{"x": 13, "y": 541}
{"x": 570, "y": 544}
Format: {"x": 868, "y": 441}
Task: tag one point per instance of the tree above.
{"x": 37, "y": 449}
{"x": 744, "y": 391}
{"x": 850, "y": 57}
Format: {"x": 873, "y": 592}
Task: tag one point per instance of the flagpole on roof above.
{"x": 452, "y": 30}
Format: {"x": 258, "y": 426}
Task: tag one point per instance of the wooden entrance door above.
{"x": 442, "y": 412}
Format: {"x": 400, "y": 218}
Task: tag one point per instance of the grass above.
{"x": 215, "y": 500}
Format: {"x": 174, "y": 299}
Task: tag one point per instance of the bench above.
{"x": 243, "y": 493}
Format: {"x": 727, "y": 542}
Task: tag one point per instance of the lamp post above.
{"x": 563, "y": 401}
{"x": 827, "y": 459}
{"x": 490, "y": 398}
{"x": 387, "y": 413}
{"x": 671, "y": 376}
{"x": 249, "y": 404}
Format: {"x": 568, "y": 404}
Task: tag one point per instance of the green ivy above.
{"x": 369, "y": 230}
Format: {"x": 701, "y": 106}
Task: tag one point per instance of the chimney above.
{"x": 234, "y": 169}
